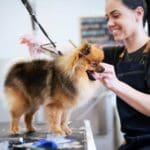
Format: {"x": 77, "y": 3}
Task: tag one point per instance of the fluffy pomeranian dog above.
{"x": 59, "y": 85}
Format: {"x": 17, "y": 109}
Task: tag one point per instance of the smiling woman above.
{"x": 127, "y": 69}
{"x": 124, "y": 21}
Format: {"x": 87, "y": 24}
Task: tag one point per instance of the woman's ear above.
{"x": 139, "y": 13}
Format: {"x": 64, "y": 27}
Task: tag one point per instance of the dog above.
{"x": 59, "y": 85}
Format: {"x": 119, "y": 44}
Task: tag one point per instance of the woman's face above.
{"x": 121, "y": 20}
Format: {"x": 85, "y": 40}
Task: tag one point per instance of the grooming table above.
{"x": 80, "y": 139}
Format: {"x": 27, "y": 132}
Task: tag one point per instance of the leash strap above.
{"x": 31, "y": 13}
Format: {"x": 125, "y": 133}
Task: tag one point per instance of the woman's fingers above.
{"x": 108, "y": 77}
{"x": 108, "y": 68}
{"x": 100, "y": 76}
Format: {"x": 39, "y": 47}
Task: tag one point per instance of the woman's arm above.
{"x": 138, "y": 100}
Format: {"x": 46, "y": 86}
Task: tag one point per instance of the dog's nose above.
{"x": 100, "y": 69}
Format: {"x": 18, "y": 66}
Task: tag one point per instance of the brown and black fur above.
{"x": 55, "y": 84}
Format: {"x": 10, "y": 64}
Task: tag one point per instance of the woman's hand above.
{"x": 108, "y": 77}
{"x": 138, "y": 100}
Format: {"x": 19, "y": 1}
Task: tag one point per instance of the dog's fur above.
{"x": 57, "y": 84}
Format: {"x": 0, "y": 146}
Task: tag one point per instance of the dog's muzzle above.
{"x": 90, "y": 73}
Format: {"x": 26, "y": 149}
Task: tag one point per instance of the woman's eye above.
{"x": 113, "y": 16}
{"x": 116, "y": 16}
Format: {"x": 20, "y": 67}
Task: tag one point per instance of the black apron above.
{"x": 134, "y": 124}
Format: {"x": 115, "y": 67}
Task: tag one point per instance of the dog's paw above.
{"x": 31, "y": 129}
{"x": 67, "y": 130}
{"x": 58, "y": 131}
{"x": 14, "y": 131}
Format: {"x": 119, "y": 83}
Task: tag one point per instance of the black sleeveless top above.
{"x": 133, "y": 69}
{"x": 112, "y": 56}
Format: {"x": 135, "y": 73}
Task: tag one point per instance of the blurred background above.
{"x": 60, "y": 19}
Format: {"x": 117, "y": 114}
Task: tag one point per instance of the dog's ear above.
{"x": 85, "y": 49}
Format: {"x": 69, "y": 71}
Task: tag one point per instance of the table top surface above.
{"x": 77, "y": 138}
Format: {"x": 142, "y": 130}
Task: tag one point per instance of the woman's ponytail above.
{"x": 148, "y": 15}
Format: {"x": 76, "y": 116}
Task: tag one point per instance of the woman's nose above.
{"x": 110, "y": 23}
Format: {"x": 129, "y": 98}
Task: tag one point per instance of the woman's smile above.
{"x": 115, "y": 31}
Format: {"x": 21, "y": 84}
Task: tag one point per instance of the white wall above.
{"x": 60, "y": 18}
{"x": 14, "y": 23}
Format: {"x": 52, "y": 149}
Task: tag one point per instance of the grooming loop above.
{"x": 52, "y": 47}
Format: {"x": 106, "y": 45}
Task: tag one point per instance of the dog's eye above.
{"x": 93, "y": 64}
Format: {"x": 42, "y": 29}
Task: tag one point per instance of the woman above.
{"x": 127, "y": 70}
